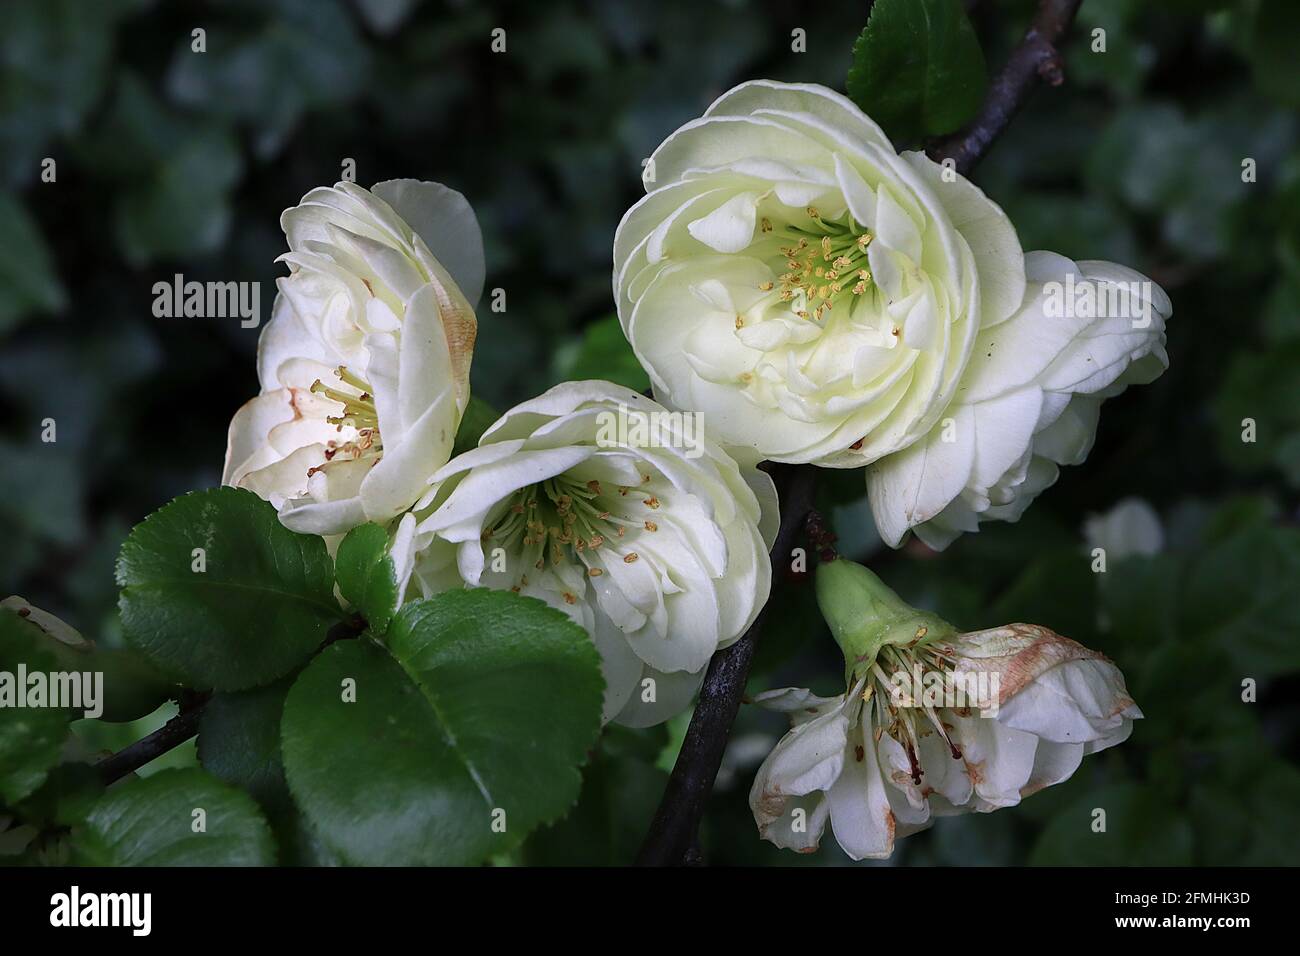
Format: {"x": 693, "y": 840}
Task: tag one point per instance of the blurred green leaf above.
{"x": 1081, "y": 227}
{"x": 1158, "y": 160}
{"x": 479, "y": 417}
{"x": 918, "y": 69}
{"x": 1282, "y": 311}
{"x": 605, "y": 354}
{"x": 30, "y": 737}
{"x": 1241, "y": 596}
{"x": 175, "y": 176}
{"x": 306, "y": 56}
{"x": 1236, "y": 515}
{"x": 28, "y": 282}
{"x": 1056, "y": 590}
{"x": 66, "y": 798}
{"x": 1260, "y": 388}
{"x": 1141, "y": 830}
{"x": 1131, "y": 46}
{"x": 40, "y": 492}
{"x": 619, "y": 796}
{"x": 1274, "y": 48}
{"x": 1140, "y": 595}
{"x": 54, "y": 61}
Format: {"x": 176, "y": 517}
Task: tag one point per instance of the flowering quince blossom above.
{"x": 659, "y": 550}
{"x": 364, "y": 366}
{"x": 879, "y": 765}
{"x": 827, "y": 300}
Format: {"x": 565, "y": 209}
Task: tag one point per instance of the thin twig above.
{"x": 672, "y": 833}
{"x": 171, "y": 734}
{"x": 1036, "y": 58}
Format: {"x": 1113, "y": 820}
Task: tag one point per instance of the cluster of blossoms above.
{"x": 824, "y": 299}
{"x": 660, "y": 551}
{"x": 818, "y": 298}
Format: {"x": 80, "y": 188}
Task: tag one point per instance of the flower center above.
{"x": 897, "y": 690}
{"x": 565, "y": 520}
{"x": 358, "y": 413}
{"x": 826, "y": 262}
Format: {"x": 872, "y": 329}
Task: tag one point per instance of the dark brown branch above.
{"x": 673, "y": 830}
{"x": 171, "y": 734}
{"x": 1036, "y": 58}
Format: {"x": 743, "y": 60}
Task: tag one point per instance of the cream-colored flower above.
{"x": 364, "y": 366}
{"x": 825, "y": 299}
{"x": 1027, "y": 403}
{"x": 879, "y": 765}
{"x": 656, "y": 547}
{"x": 813, "y": 291}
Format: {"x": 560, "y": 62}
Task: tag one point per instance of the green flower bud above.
{"x": 864, "y": 615}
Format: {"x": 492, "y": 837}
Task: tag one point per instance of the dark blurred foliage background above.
{"x": 170, "y": 161}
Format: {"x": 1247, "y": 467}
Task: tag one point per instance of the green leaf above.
{"x": 1139, "y": 594}
{"x": 604, "y": 354}
{"x": 263, "y": 602}
{"x": 68, "y": 795}
{"x": 917, "y": 68}
{"x": 1197, "y": 198}
{"x": 1253, "y": 825}
{"x": 366, "y": 577}
{"x": 30, "y": 737}
{"x": 152, "y": 821}
{"x": 620, "y": 792}
{"x": 239, "y": 742}
{"x": 1273, "y": 50}
{"x": 1260, "y": 387}
{"x": 479, "y": 417}
{"x": 28, "y": 282}
{"x": 171, "y": 174}
{"x": 307, "y": 55}
{"x": 1141, "y": 830}
{"x": 1241, "y": 596}
{"x": 54, "y": 74}
{"x": 462, "y": 726}
{"x": 1058, "y": 590}
{"x": 1236, "y": 515}
{"x": 132, "y": 689}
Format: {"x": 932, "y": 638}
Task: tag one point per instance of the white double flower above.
{"x": 826, "y": 300}
{"x": 364, "y": 366}
{"x": 659, "y": 549}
